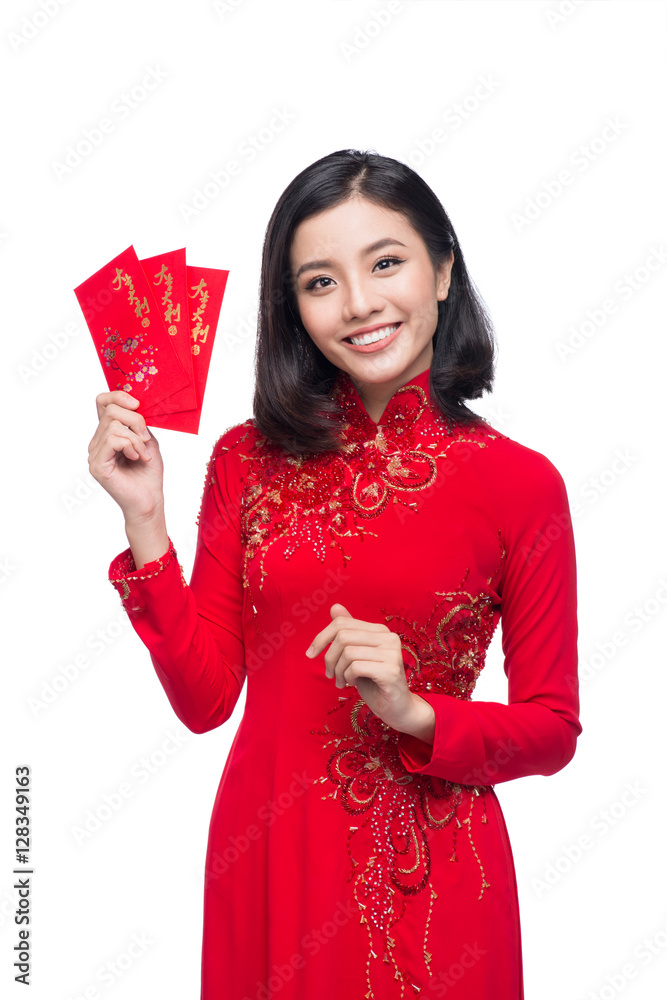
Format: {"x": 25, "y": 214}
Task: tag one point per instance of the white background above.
{"x": 553, "y": 82}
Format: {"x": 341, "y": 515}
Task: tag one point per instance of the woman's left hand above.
{"x": 368, "y": 656}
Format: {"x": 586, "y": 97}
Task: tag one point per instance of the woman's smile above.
{"x": 376, "y": 340}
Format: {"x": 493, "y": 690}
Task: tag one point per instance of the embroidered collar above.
{"x": 403, "y": 410}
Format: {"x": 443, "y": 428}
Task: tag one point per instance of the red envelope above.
{"x": 167, "y": 276}
{"x": 125, "y": 321}
{"x": 206, "y": 289}
{"x": 153, "y": 323}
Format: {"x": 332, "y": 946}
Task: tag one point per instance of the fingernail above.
{"x": 309, "y": 651}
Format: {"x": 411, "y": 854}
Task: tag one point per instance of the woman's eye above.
{"x": 314, "y": 282}
{"x": 391, "y": 260}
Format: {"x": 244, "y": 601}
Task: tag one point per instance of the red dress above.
{"x": 346, "y": 859}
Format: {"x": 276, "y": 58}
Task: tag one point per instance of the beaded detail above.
{"x": 125, "y": 570}
{"x": 318, "y": 500}
{"x": 235, "y": 441}
{"x": 445, "y": 655}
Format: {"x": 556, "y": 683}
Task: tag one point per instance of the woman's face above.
{"x": 348, "y": 283}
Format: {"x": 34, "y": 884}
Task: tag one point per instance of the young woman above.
{"x": 359, "y": 540}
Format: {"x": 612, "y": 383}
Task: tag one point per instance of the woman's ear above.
{"x": 445, "y": 277}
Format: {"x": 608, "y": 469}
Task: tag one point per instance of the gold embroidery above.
{"x": 400, "y": 808}
{"x": 319, "y": 500}
{"x": 125, "y": 573}
{"x": 218, "y": 449}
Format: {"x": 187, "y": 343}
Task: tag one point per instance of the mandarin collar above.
{"x": 406, "y": 406}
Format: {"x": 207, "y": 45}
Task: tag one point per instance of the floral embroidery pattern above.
{"x": 445, "y": 655}
{"x": 321, "y": 499}
{"x": 448, "y": 656}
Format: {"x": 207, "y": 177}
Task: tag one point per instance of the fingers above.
{"x": 128, "y": 442}
{"x": 350, "y": 639}
{"x": 340, "y": 655}
{"x": 117, "y": 396}
{"x": 118, "y": 411}
{"x": 370, "y": 645}
{"x": 358, "y": 661}
{"x": 108, "y": 442}
{"x": 341, "y": 624}
{"x": 120, "y": 428}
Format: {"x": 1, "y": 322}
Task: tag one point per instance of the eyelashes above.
{"x": 314, "y": 281}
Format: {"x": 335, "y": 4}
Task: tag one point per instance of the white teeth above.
{"x": 371, "y": 338}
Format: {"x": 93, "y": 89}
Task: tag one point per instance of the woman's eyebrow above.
{"x": 313, "y": 265}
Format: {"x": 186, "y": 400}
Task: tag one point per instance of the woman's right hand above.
{"x": 124, "y": 457}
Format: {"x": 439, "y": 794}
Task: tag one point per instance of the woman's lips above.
{"x": 377, "y": 346}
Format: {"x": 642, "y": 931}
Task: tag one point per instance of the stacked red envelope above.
{"x": 153, "y": 322}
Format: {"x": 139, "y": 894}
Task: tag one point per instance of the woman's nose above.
{"x": 361, "y": 300}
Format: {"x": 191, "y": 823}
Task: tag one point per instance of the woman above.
{"x": 359, "y": 540}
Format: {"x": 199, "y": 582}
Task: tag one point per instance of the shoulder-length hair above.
{"x": 293, "y": 379}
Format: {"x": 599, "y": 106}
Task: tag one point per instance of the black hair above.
{"x": 293, "y": 379}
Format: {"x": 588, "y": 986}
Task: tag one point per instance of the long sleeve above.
{"x": 482, "y": 742}
{"x": 194, "y": 632}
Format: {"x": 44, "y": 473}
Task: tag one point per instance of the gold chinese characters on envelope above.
{"x": 153, "y": 322}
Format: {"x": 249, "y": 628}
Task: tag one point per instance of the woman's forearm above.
{"x": 147, "y": 537}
